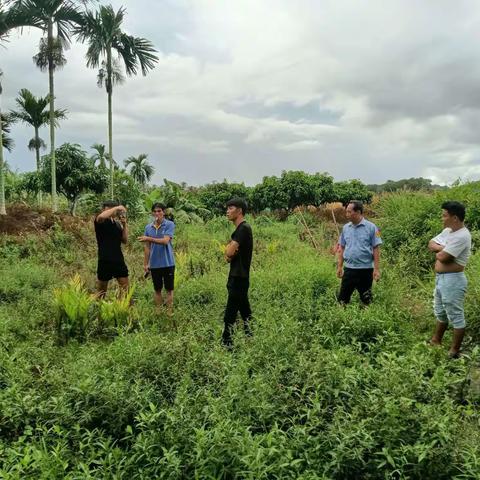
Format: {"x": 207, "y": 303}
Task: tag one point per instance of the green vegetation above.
{"x": 100, "y": 389}
{"x": 319, "y": 392}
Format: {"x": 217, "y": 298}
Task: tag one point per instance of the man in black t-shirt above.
{"x": 111, "y": 231}
{"x": 239, "y": 254}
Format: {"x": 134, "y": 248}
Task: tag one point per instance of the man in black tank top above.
{"x": 111, "y": 231}
{"x": 239, "y": 254}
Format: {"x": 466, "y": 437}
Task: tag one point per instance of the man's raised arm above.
{"x": 109, "y": 213}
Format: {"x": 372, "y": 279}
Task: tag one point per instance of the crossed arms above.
{"x": 440, "y": 255}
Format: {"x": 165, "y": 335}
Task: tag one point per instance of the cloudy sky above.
{"x": 372, "y": 89}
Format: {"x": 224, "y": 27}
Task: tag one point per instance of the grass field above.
{"x": 319, "y": 392}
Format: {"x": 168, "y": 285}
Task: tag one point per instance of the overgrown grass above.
{"x": 319, "y": 392}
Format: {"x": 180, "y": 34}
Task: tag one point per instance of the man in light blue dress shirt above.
{"x": 359, "y": 255}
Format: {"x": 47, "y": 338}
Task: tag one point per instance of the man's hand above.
{"x": 435, "y": 247}
{"x": 144, "y": 238}
{"x": 376, "y": 275}
{"x": 340, "y": 272}
{"x": 146, "y": 268}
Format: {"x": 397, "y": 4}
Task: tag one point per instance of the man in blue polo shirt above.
{"x": 159, "y": 260}
{"x": 359, "y": 255}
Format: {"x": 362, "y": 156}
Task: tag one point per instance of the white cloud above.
{"x": 401, "y": 78}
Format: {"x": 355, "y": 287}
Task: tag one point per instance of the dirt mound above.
{"x": 22, "y": 219}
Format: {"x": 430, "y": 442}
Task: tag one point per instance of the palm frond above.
{"x": 102, "y": 31}
{"x": 38, "y": 13}
{"x": 136, "y": 52}
{"x": 6, "y": 127}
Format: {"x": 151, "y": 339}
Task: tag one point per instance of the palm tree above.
{"x": 56, "y": 19}
{"x": 5, "y": 142}
{"x": 3, "y": 210}
{"x": 140, "y": 170}
{"x": 6, "y": 24}
{"x": 33, "y": 111}
{"x": 101, "y": 155}
{"x": 102, "y": 30}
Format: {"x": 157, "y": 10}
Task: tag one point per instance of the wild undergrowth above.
{"x": 319, "y": 391}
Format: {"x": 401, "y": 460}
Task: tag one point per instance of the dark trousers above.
{"x": 359, "y": 279}
{"x": 237, "y": 302}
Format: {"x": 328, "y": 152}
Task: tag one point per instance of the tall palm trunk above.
{"x": 110, "y": 119}
{"x": 37, "y": 156}
{"x": 51, "y": 68}
{"x": 2, "y": 168}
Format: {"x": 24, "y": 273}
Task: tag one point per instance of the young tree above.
{"x": 76, "y": 173}
{"x": 269, "y": 195}
{"x": 33, "y": 111}
{"x": 102, "y": 31}
{"x": 344, "y": 192}
{"x": 214, "y": 196}
{"x": 140, "y": 169}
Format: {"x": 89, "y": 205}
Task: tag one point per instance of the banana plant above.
{"x": 179, "y": 206}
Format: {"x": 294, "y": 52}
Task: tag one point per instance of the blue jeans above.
{"x": 448, "y": 298}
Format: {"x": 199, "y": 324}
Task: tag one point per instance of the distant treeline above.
{"x": 412, "y": 184}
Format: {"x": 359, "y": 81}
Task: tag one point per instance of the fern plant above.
{"x": 117, "y": 313}
{"x": 73, "y": 305}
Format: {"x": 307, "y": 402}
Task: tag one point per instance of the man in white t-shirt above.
{"x": 452, "y": 249}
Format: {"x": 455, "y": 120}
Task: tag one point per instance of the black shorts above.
{"x": 163, "y": 276}
{"x": 107, "y": 270}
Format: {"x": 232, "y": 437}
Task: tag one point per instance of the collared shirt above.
{"x": 161, "y": 256}
{"x": 359, "y": 241}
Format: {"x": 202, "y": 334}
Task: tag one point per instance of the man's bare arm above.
{"x": 124, "y": 232}
{"x": 444, "y": 257}
{"x": 146, "y": 256}
{"x": 435, "y": 247}
{"x": 231, "y": 250}
{"x": 376, "y": 263}
{"x": 109, "y": 213}
{"x": 340, "y": 261}
{"x": 161, "y": 241}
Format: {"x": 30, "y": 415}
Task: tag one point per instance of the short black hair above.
{"x": 110, "y": 203}
{"x": 455, "y": 208}
{"x": 158, "y": 205}
{"x": 239, "y": 203}
{"x": 357, "y": 205}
